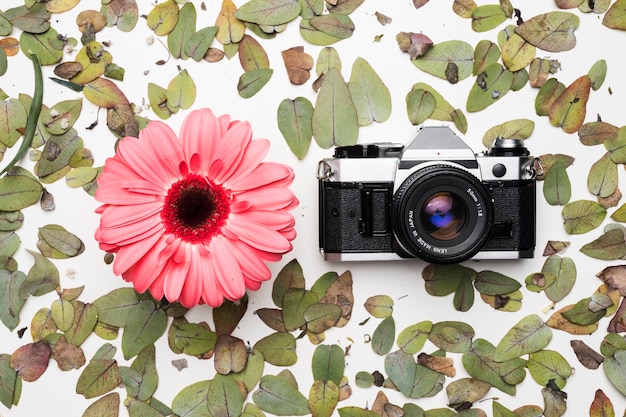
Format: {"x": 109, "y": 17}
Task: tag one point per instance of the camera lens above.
{"x": 442, "y": 214}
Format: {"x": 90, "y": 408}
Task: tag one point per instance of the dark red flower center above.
{"x": 195, "y": 209}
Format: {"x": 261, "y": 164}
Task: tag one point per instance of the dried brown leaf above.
{"x": 441, "y": 364}
{"x": 298, "y": 64}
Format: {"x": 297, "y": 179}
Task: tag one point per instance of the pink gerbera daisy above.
{"x": 194, "y": 219}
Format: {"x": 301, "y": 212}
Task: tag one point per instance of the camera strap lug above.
{"x": 324, "y": 171}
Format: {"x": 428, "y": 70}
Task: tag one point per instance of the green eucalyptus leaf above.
{"x": 490, "y": 86}
{"x": 335, "y": 25}
{"x": 198, "y": 44}
{"x": 466, "y": 390}
{"x": 552, "y": 31}
{"x": 181, "y": 91}
{"x": 315, "y": 36}
{"x": 145, "y": 324}
{"x": 10, "y": 301}
{"x": 487, "y": 17}
{"x": 191, "y": 401}
{"x": 615, "y": 18}
{"x": 353, "y": 411}
{"x": 12, "y": 121}
{"x": 615, "y": 142}
{"x": 123, "y": 14}
{"x": 42, "y": 278}
{"x": 504, "y": 376}
{"x": 320, "y": 317}
{"x": 528, "y": 335}
{"x": 85, "y": 319}
{"x": 564, "y": 271}
{"x": 401, "y": 368}
{"x": 35, "y": 19}
{"x": 547, "y": 365}
{"x": 224, "y": 397}
{"x": 295, "y": 302}
{"x": 278, "y": 396}
{"x": 9, "y": 244}
{"x": 193, "y": 338}
{"x": 485, "y": 53}
{"x": 106, "y": 406}
{"x": 615, "y": 369}
{"x": 290, "y": 276}
{"x": 335, "y": 120}
{"x": 185, "y": 28}
{"x": 328, "y": 58}
{"x": 56, "y": 242}
{"x": 581, "y": 315}
{"x": 62, "y": 116}
{"x": 252, "y": 56}
{"x": 10, "y": 383}
{"x": 412, "y": 338}
{"x": 581, "y": 216}
{"x": 379, "y": 306}
{"x": 597, "y": 74}
{"x": 463, "y": 299}
{"x": 115, "y": 306}
{"x": 46, "y": 45}
{"x": 62, "y": 313}
{"x": 101, "y": 374}
{"x": 295, "y": 123}
{"x": 495, "y": 283}
{"x": 328, "y": 363}
{"x": 452, "y": 336}
{"x": 439, "y": 57}
{"x": 227, "y": 316}
{"x": 56, "y": 154}
{"x": 370, "y": 95}
{"x": 443, "y": 109}
{"x": 443, "y": 279}
{"x": 420, "y": 105}
{"x": 557, "y": 188}
{"x": 548, "y": 93}
{"x": 251, "y": 82}
{"x": 609, "y": 246}
{"x": 269, "y": 12}
{"x": 278, "y": 349}
{"x": 512, "y": 129}
{"x": 18, "y": 192}
{"x": 253, "y": 371}
{"x": 384, "y": 336}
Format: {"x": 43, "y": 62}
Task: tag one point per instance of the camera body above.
{"x": 434, "y": 199}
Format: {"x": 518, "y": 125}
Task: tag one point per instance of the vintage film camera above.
{"x": 434, "y": 199}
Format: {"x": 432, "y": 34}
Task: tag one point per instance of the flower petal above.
{"x": 267, "y": 198}
{"x": 117, "y": 216}
{"x": 192, "y": 288}
{"x": 258, "y": 236}
{"x": 129, "y": 255}
{"x": 199, "y": 134}
{"x": 227, "y": 269}
{"x": 265, "y": 174}
{"x": 210, "y": 292}
{"x": 252, "y": 156}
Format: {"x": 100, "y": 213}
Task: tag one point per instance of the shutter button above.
{"x": 499, "y": 170}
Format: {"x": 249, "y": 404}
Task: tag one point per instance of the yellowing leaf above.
{"x": 230, "y": 28}
{"x": 104, "y": 93}
{"x": 252, "y": 56}
{"x": 552, "y": 31}
{"x": 517, "y": 53}
{"x": 442, "y": 56}
{"x": 163, "y": 17}
{"x": 269, "y": 12}
{"x": 60, "y": 6}
{"x": 569, "y": 109}
{"x": 615, "y": 17}
{"x": 512, "y": 129}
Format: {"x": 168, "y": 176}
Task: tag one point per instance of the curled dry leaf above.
{"x": 415, "y": 44}
{"x": 382, "y": 19}
{"x": 440, "y": 364}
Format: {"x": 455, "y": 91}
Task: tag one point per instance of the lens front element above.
{"x": 442, "y": 214}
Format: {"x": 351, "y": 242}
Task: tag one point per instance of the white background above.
{"x": 55, "y": 393}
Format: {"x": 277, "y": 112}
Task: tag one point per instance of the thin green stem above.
{"x": 33, "y": 115}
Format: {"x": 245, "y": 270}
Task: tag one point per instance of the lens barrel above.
{"x": 442, "y": 214}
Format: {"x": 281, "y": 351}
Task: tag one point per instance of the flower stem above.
{"x": 33, "y": 115}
